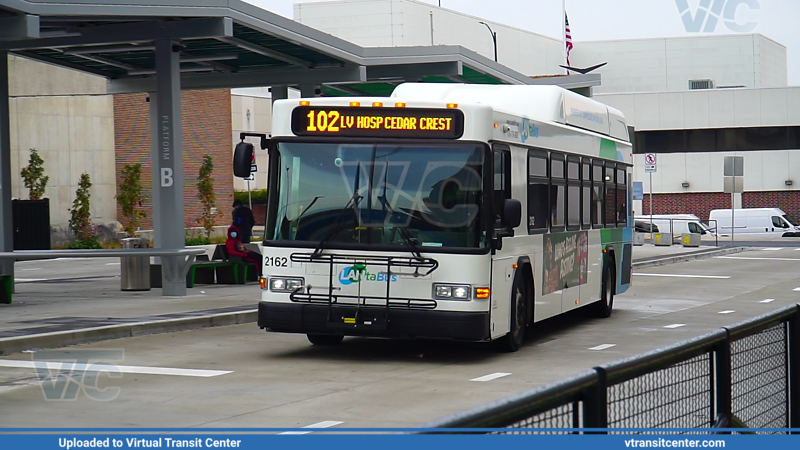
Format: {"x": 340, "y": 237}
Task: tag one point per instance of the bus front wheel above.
{"x": 325, "y": 339}
{"x": 519, "y": 319}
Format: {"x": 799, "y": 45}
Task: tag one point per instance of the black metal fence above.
{"x": 746, "y": 375}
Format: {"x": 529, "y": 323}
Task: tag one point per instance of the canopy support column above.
{"x": 167, "y": 157}
{"x": 6, "y": 223}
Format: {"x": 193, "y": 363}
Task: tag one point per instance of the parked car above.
{"x": 679, "y": 224}
{"x": 756, "y": 222}
{"x": 644, "y": 227}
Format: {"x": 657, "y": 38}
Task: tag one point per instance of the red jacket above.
{"x": 233, "y": 243}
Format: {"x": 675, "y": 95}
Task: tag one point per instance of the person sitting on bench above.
{"x": 234, "y": 247}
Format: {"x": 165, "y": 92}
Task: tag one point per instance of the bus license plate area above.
{"x": 357, "y": 318}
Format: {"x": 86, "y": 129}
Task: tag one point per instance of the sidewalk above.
{"x": 64, "y": 302}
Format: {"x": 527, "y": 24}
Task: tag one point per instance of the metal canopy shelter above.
{"x": 163, "y": 46}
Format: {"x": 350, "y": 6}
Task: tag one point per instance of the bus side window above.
{"x": 586, "y": 195}
{"x": 538, "y": 192}
{"x": 622, "y": 197}
{"x": 598, "y": 195}
{"x": 558, "y": 194}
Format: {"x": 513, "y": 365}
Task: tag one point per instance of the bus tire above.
{"x": 325, "y": 339}
{"x": 606, "y": 304}
{"x": 519, "y": 319}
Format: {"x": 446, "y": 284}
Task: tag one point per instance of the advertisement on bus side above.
{"x": 566, "y": 260}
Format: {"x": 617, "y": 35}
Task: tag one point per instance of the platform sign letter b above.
{"x": 166, "y": 177}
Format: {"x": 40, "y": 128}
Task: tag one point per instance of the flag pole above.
{"x": 564, "y": 32}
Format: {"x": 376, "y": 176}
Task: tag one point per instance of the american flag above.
{"x": 567, "y": 37}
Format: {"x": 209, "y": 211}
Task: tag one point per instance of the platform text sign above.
{"x": 638, "y": 190}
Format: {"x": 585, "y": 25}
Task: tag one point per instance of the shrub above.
{"x": 196, "y": 237}
{"x": 259, "y": 196}
{"x": 130, "y": 197}
{"x": 80, "y": 221}
{"x": 33, "y": 176}
{"x": 205, "y": 192}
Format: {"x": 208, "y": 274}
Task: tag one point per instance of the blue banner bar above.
{"x": 317, "y": 441}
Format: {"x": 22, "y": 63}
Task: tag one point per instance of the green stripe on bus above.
{"x": 608, "y": 149}
{"x": 609, "y": 235}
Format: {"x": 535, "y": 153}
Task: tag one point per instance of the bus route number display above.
{"x": 378, "y": 122}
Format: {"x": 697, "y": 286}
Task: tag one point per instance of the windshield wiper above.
{"x": 408, "y": 240}
{"x": 338, "y": 224}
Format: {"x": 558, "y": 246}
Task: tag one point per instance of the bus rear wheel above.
{"x": 606, "y": 304}
{"x": 325, "y": 339}
{"x": 519, "y": 319}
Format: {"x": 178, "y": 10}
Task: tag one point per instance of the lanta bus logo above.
{"x": 529, "y": 129}
{"x": 358, "y": 273}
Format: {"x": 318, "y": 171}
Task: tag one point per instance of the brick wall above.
{"x": 206, "y": 130}
{"x": 701, "y": 203}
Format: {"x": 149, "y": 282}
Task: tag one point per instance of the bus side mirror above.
{"x": 242, "y": 159}
{"x": 512, "y": 213}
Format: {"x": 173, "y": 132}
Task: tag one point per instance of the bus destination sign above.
{"x": 377, "y": 122}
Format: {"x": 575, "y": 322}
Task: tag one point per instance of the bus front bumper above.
{"x": 373, "y": 321}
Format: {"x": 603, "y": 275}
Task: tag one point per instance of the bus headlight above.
{"x": 451, "y": 291}
{"x": 285, "y": 284}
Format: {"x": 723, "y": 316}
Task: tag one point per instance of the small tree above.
{"x": 205, "y": 192}
{"x": 130, "y": 197}
{"x": 80, "y": 221}
{"x": 33, "y": 176}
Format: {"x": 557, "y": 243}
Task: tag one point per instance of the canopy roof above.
{"x": 227, "y": 44}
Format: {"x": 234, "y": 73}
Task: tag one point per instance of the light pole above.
{"x": 494, "y": 39}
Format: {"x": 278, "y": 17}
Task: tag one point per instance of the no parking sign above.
{"x": 650, "y": 164}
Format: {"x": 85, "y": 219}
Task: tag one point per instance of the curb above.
{"x": 687, "y": 257}
{"x": 86, "y": 335}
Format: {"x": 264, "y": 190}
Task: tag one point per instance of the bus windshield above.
{"x": 378, "y": 194}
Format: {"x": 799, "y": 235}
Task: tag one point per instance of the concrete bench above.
{"x": 185, "y": 257}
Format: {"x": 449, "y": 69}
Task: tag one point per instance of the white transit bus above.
{"x": 453, "y": 211}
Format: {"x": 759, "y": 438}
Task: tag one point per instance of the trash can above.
{"x": 134, "y": 270}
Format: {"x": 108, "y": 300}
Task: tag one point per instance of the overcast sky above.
{"x": 621, "y": 19}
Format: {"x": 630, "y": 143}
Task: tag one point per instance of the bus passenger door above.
{"x": 502, "y": 260}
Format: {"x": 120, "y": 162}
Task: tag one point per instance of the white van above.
{"x": 755, "y": 222}
{"x": 678, "y": 223}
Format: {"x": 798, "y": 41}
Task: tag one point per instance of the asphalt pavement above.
{"x": 240, "y": 376}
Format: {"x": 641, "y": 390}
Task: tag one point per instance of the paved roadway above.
{"x": 279, "y": 380}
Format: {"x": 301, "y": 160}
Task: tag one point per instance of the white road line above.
{"x": 33, "y": 268}
{"x": 114, "y": 368}
{"x": 670, "y": 275}
{"x": 757, "y": 259}
{"x": 112, "y": 264}
{"x": 29, "y": 280}
{"x": 324, "y": 424}
{"x": 603, "y": 346}
{"x": 675, "y": 325}
{"x": 491, "y": 376}
{"x": 771, "y": 249}
{"x": 727, "y": 311}
{"x": 768, "y": 300}
{"x": 797, "y": 289}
